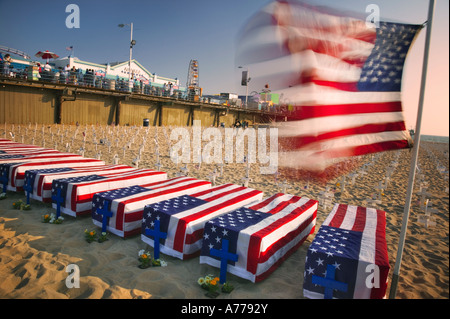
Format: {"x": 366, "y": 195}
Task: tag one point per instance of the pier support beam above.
{"x": 157, "y": 121}
{"x": 118, "y": 102}
{"x": 190, "y": 121}
{"x": 58, "y": 108}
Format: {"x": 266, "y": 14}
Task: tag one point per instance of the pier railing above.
{"x": 92, "y": 80}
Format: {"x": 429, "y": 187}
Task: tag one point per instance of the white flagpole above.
{"x": 415, "y": 154}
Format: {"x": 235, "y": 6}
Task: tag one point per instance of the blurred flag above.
{"x": 342, "y": 76}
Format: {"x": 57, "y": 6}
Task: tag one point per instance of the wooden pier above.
{"x": 24, "y": 101}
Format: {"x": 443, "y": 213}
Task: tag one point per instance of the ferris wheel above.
{"x": 192, "y": 85}
{"x": 192, "y": 79}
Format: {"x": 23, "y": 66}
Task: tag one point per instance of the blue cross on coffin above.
{"x": 224, "y": 256}
{"x": 106, "y": 213}
{"x": 329, "y": 283}
{"x": 4, "y": 180}
{"x": 58, "y": 199}
{"x": 28, "y": 189}
{"x": 157, "y": 235}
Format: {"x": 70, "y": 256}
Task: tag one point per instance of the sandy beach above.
{"x": 34, "y": 255}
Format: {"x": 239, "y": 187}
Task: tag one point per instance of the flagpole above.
{"x": 415, "y": 154}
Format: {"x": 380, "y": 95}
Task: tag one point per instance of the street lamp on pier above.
{"x": 245, "y": 81}
{"x": 132, "y": 42}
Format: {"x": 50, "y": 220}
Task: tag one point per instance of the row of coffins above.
{"x": 229, "y": 226}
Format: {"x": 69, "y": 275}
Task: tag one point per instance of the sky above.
{"x": 170, "y": 33}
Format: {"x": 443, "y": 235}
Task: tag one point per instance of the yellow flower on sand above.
{"x": 201, "y": 281}
{"x": 213, "y": 282}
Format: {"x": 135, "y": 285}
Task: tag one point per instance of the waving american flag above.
{"x": 341, "y": 75}
{"x": 183, "y": 218}
{"x": 262, "y": 235}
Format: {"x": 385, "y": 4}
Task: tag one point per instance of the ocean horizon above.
{"x": 434, "y": 138}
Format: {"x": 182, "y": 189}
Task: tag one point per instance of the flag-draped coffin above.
{"x": 262, "y": 235}
{"x": 183, "y": 218}
{"x": 41, "y": 179}
{"x": 127, "y": 204}
{"x": 77, "y": 192}
{"x": 16, "y": 168}
{"x": 348, "y": 257}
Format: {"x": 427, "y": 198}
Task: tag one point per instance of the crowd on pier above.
{"x": 94, "y": 79}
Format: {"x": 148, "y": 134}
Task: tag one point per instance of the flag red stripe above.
{"x": 195, "y": 236}
{"x": 174, "y": 181}
{"x": 339, "y": 215}
{"x": 133, "y": 232}
{"x": 342, "y": 86}
{"x": 208, "y": 191}
{"x": 360, "y": 219}
{"x": 133, "y": 217}
{"x": 366, "y": 149}
{"x": 120, "y": 213}
{"x": 312, "y": 111}
{"x": 283, "y": 204}
{"x": 44, "y": 187}
{"x": 254, "y": 247}
{"x": 265, "y": 202}
{"x": 297, "y": 142}
{"x": 381, "y": 256}
{"x": 73, "y": 198}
